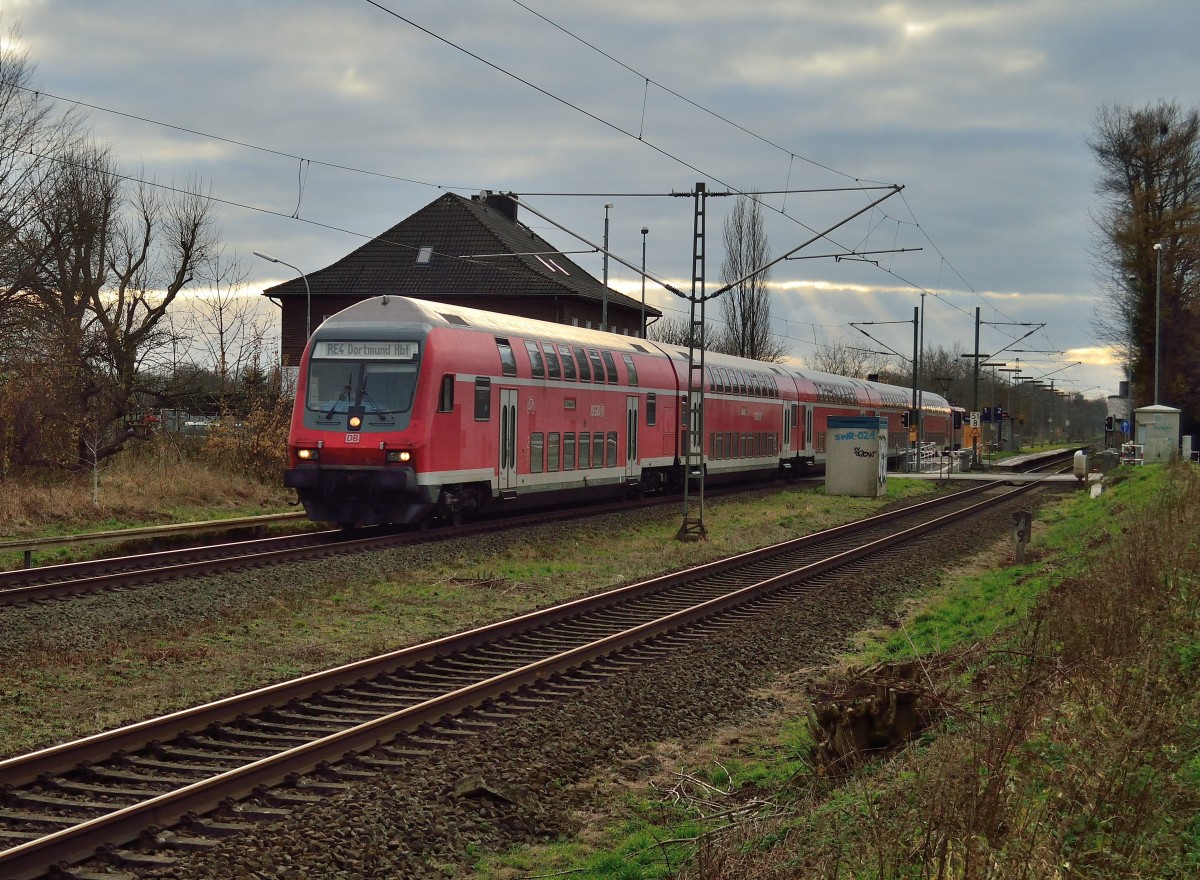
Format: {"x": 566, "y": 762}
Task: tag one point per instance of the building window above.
{"x": 423, "y": 255}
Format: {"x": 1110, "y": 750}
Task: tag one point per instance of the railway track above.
{"x": 19, "y": 586}
{"x": 106, "y": 791}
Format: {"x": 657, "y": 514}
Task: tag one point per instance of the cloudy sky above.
{"x": 318, "y": 124}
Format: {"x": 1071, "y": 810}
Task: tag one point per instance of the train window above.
{"x": 585, "y": 450}
{"x": 598, "y": 450}
{"x": 630, "y": 369}
{"x": 716, "y": 445}
{"x": 581, "y": 360}
{"x": 552, "y": 368}
{"x": 508, "y": 361}
{"x": 535, "y": 453}
{"x": 568, "y": 363}
{"x": 446, "y": 397}
{"x": 610, "y": 367}
{"x": 729, "y": 453}
{"x": 651, "y": 408}
{"x": 552, "y": 452}
{"x": 726, "y": 386}
{"x": 712, "y": 382}
{"x": 611, "y": 443}
{"x": 535, "y": 360}
{"x": 568, "y": 403}
{"x": 568, "y": 452}
{"x": 483, "y": 399}
{"x": 597, "y": 365}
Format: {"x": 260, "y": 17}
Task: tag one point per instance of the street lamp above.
{"x": 604, "y": 302}
{"x": 1157, "y": 305}
{"x": 645, "y": 232}
{"x": 307, "y": 291}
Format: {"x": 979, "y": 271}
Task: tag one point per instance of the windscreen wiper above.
{"x": 345, "y": 395}
{"x": 378, "y": 411}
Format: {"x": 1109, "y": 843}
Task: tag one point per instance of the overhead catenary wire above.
{"x": 306, "y": 161}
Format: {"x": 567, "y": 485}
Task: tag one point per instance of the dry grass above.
{"x": 1071, "y": 749}
{"x": 160, "y": 481}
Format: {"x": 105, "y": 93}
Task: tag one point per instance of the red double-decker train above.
{"x": 409, "y": 411}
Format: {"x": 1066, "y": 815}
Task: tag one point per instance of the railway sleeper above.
{"x": 214, "y": 827}
{"x": 30, "y": 799}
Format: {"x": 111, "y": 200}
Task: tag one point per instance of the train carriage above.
{"x": 409, "y": 410}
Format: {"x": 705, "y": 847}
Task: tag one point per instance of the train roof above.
{"x": 377, "y": 317}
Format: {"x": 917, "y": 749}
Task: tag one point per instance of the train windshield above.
{"x": 380, "y": 387}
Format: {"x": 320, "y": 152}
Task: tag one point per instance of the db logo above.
{"x": 353, "y": 438}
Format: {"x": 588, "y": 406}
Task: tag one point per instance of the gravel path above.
{"x": 542, "y": 766}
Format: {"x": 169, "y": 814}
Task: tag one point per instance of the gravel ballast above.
{"x": 534, "y": 778}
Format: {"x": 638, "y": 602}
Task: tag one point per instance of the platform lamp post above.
{"x": 645, "y": 232}
{"x": 307, "y": 291}
{"x": 1158, "y": 249}
{"x": 604, "y": 294}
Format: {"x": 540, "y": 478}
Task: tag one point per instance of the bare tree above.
{"x": 1149, "y": 185}
{"x": 746, "y": 307}
{"x": 109, "y": 263}
{"x": 843, "y": 359}
{"x": 677, "y": 331}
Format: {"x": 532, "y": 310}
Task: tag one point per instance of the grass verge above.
{"x": 1069, "y": 744}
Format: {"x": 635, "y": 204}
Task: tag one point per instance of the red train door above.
{"x": 508, "y": 439}
{"x": 631, "y": 436}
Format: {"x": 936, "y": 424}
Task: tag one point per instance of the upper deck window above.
{"x": 535, "y": 360}
{"x": 568, "y": 363}
{"x": 610, "y": 367}
{"x": 508, "y": 360}
{"x": 581, "y": 360}
{"x": 552, "y": 367}
{"x": 630, "y": 369}
{"x": 597, "y": 365}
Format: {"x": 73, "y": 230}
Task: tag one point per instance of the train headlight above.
{"x": 355, "y": 422}
{"x": 399, "y": 455}
{"x": 307, "y": 454}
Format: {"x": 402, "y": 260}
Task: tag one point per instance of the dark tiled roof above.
{"x": 456, "y": 227}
